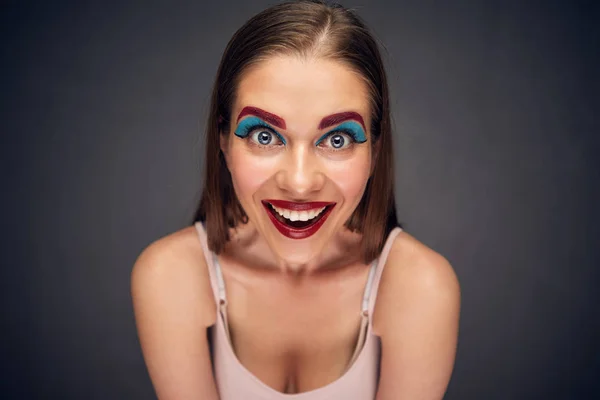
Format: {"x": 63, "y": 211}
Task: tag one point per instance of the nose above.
{"x": 300, "y": 174}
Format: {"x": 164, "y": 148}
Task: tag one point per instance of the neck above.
{"x": 341, "y": 250}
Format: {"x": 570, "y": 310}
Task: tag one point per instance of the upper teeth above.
{"x": 298, "y": 215}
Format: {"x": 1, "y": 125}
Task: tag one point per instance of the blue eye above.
{"x": 258, "y": 132}
{"x": 345, "y": 135}
{"x": 262, "y": 137}
{"x": 337, "y": 141}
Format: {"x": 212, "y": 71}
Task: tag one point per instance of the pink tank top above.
{"x": 235, "y": 382}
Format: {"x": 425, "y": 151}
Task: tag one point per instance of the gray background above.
{"x": 102, "y": 110}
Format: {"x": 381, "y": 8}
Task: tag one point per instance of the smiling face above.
{"x": 299, "y": 151}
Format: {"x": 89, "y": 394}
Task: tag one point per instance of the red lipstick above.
{"x": 296, "y": 232}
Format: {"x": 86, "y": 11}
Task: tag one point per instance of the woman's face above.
{"x": 299, "y": 151}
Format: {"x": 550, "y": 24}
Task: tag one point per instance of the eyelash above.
{"x": 346, "y": 134}
{"x": 248, "y": 132}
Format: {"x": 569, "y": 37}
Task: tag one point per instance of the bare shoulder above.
{"x": 416, "y": 316}
{"x": 414, "y": 274}
{"x": 173, "y": 306}
{"x": 174, "y": 268}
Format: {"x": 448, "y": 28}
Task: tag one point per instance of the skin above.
{"x": 300, "y": 170}
{"x": 303, "y": 296}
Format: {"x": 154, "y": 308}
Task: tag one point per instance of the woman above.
{"x": 296, "y": 281}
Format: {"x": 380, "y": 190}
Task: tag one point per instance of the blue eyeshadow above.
{"x": 247, "y": 125}
{"x": 351, "y": 128}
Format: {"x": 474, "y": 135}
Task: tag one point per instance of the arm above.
{"x": 173, "y": 307}
{"x": 416, "y": 316}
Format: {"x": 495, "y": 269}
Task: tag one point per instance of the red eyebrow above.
{"x": 338, "y": 118}
{"x": 264, "y": 115}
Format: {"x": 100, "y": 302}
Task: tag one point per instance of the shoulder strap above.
{"x": 214, "y": 270}
{"x": 368, "y": 287}
{"x": 380, "y": 264}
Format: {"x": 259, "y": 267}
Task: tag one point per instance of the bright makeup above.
{"x": 297, "y": 220}
{"x": 266, "y": 116}
{"x": 338, "y": 118}
{"x": 251, "y": 123}
{"x": 351, "y": 128}
{"x": 349, "y": 122}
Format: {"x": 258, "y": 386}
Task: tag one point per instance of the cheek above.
{"x": 351, "y": 177}
{"x": 248, "y": 172}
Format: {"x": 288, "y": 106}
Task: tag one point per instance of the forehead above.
{"x": 302, "y": 91}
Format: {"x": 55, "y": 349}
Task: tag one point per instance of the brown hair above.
{"x": 310, "y": 29}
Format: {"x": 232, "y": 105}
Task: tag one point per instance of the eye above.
{"x": 338, "y": 141}
{"x": 264, "y": 137}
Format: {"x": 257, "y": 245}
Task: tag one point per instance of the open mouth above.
{"x": 297, "y": 220}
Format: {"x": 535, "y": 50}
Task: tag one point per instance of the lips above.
{"x": 299, "y": 220}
